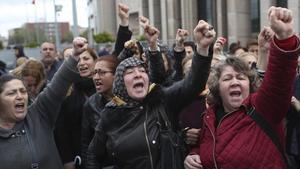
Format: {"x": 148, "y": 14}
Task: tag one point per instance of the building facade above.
{"x": 237, "y": 20}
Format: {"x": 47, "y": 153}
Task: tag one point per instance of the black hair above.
{"x": 6, "y": 78}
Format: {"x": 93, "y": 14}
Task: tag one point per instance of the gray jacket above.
{"x": 30, "y": 143}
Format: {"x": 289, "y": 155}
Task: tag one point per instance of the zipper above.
{"x": 214, "y": 147}
{"x": 147, "y": 141}
{"x": 214, "y": 138}
{"x": 34, "y": 164}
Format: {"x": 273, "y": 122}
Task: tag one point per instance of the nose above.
{"x": 137, "y": 73}
{"x": 20, "y": 95}
{"x": 235, "y": 81}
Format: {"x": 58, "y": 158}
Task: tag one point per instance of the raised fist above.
{"x": 281, "y": 22}
{"x": 181, "y": 36}
{"x": 123, "y": 14}
{"x": 79, "y": 45}
{"x": 204, "y": 34}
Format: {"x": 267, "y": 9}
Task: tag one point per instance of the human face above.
{"x": 234, "y": 88}
{"x": 103, "y": 78}
{"x": 253, "y": 49}
{"x": 136, "y": 82}
{"x": 250, "y": 60}
{"x": 86, "y": 64}
{"x": 31, "y": 85}
{"x": 13, "y": 102}
{"x": 187, "y": 67}
{"x": 189, "y": 52}
{"x": 48, "y": 53}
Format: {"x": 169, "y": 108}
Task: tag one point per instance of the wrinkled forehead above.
{"x": 48, "y": 45}
{"x": 12, "y": 84}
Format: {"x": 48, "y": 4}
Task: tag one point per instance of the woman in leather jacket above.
{"x": 128, "y": 132}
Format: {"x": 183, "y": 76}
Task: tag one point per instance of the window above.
{"x": 255, "y": 19}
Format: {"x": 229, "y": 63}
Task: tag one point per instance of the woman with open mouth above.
{"x": 26, "y": 133}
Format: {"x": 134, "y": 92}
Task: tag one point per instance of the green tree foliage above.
{"x": 103, "y": 37}
{"x": 84, "y": 34}
{"x": 67, "y": 38}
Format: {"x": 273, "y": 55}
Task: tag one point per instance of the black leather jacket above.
{"x": 130, "y": 135}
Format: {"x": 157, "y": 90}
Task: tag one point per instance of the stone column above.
{"x": 294, "y": 5}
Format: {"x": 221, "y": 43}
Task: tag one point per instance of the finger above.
{"x": 279, "y": 13}
{"x": 123, "y": 7}
{"x": 271, "y": 12}
{"x": 290, "y": 16}
{"x": 190, "y": 162}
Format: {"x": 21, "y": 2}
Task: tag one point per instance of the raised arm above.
{"x": 179, "y": 53}
{"x": 182, "y": 93}
{"x": 124, "y": 34}
{"x": 49, "y": 101}
{"x": 264, "y": 40}
{"x": 274, "y": 96}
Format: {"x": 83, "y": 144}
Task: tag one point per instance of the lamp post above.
{"x": 57, "y": 8}
{"x": 75, "y": 26}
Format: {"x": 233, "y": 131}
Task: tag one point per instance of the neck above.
{"x": 6, "y": 125}
{"x": 108, "y": 96}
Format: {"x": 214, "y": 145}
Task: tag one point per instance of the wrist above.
{"x": 179, "y": 48}
{"x": 154, "y": 48}
{"x": 124, "y": 22}
{"x": 202, "y": 50}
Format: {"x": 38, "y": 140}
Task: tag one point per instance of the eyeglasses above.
{"x": 101, "y": 72}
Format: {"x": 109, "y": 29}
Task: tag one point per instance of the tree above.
{"x": 84, "y": 34}
{"x": 68, "y": 37}
{"x": 103, "y": 37}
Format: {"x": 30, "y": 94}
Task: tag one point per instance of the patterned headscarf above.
{"x": 119, "y": 89}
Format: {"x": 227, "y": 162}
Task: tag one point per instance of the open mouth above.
{"x": 138, "y": 85}
{"x": 235, "y": 94}
{"x": 82, "y": 69}
{"x": 98, "y": 83}
{"x": 20, "y": 106}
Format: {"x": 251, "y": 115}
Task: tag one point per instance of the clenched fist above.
{"x": 281, "y": 22}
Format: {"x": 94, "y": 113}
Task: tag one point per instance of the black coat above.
{"x": 130, "y": 136}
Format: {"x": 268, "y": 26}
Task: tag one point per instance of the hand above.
{"x": 132, "y": 45}
{"x": 151, "y": 33}
{"x": 281, "y": 22}
{"x": 264, "y": 38}
{"x": 144, "y": 21}
{"x": 181, "y": 36}
{"x": 204, "y": 35}
{"x": 192, "y": 162}
{"x": 123, "y": 14}
{"x": 69, "y": 165}
{"x": 295, "y": 103}
{"x": 219, "y": 45}
{"x": 79, "y": 46}
{"x": 192, "y": 136}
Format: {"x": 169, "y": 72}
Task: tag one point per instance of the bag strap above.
{"x": 165, "y": 117}
{"x": 263, "y": 124}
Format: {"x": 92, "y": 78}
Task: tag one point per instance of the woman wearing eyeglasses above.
{"x": 103, "y": 78}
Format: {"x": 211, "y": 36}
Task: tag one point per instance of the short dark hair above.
{"x": 6, "y": 78}
{"x": 111, "y": 60}
{"x": 189, "y": 43}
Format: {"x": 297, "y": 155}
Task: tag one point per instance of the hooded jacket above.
{"x": 129, "y": 130}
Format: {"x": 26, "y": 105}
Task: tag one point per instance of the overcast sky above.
{"x": 14, "y": 13}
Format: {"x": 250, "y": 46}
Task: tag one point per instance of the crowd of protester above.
{"x": 89, "y": 110}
